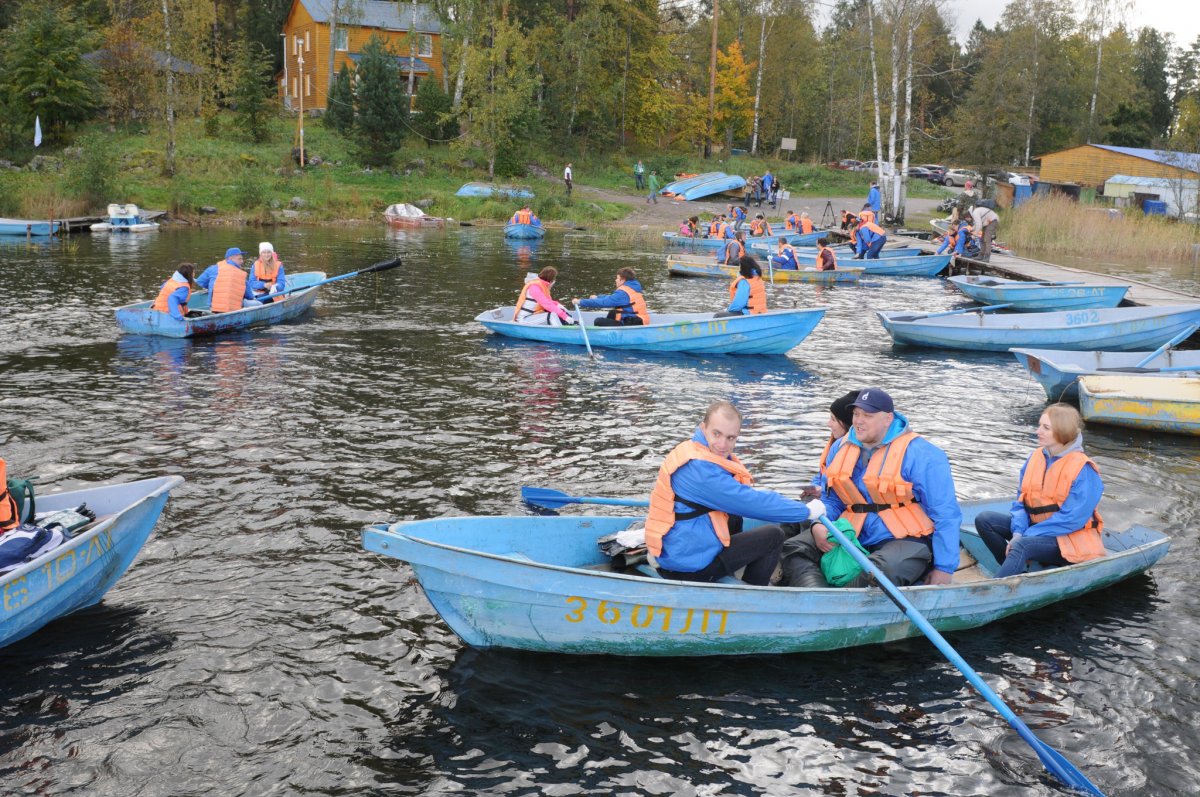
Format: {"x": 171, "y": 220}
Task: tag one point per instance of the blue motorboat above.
{"x": 714, "y": 185}
{"x": 772, "y": 332}
{"x": 1058, "y": 371}
{"x": 78, "y": 573}
{"x": 140, "y": 319}
{"x": 670, "y": 189}
{"x": 524, "y": 232}
{"x": 913, "y": 266}
{"x": 488, "y": 189}
{"x": 755, "y": 243}
{"x": 701, "y": 266}
{"x": 1037, "y": 297}
{"x": 1114, "y": 329}
{"x": 541, "y": 584}
{"x": 32, "y": 227}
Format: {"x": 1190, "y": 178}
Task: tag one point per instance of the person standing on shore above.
{"x": 567, "y": 178}
{"x": 652, "y": 184}
{"x": 639, "y": 176}
{"x": 873, "y": 198}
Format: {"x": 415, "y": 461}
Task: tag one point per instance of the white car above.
{"x": 959, "y": 177}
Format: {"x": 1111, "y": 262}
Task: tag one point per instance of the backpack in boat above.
{"x": 837, "y": 565}
{"x": 22, "y": 492}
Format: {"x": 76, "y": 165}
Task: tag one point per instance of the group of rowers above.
{"x": 230, "y": 286}
{"x": 734, "y": 220}
{"x": 886, "y": 486}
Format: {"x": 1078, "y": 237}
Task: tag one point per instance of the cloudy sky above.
{"x": 1180, "y": 17}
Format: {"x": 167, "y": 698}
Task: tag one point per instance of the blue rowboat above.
{"x": 78, "y": 573}
{"x": 808, "y": 255}
{"x": 805, "y": 243}
{"x": 670, "y": 189}
{"x": 771, "y": 241}
{"x": 29, "y": 227}
{"x": 1115, "y": 329}
{"x": 914, "y": 266}
{"x": 141, "y": 320}
{"x": 715, "y": 185}
{"x": 1058, "y": 371}
{"x": 488, "y": 189}
{"x": 541, "y": 584}
{"x": 1039, "y": 297}
{"x": 699, "y": 266}
{"x": 523, "y": 231}
{"x": 772, "y": 332}
{"x": 1142, "y": 402}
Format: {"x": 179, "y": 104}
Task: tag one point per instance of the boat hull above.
{"x": 79, "y": 573}
{"x": 1027, "y": 298}
{"x": 672, "y": 188}
{"x": 1117, "y": 329}
{"x": 919, "y": 266}
{"x": 527, "y": 583}
{"x": 773, "y": 332}
{"x": 487, "y": 190}
{"x": 523, "y": 231}
{"x": 29, "y": 227}
{"x": 795, "y": 239}
{"x": 716, "y": 185}
{"x": 1058, "y": 371}
{"x": 696, "y": 267}
{"x": 139, "y": 319}
{"x": 1140, "y": 402}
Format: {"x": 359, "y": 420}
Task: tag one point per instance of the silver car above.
{"x": 959, "y": 177}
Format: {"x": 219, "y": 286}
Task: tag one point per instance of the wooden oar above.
{"x": 384, "y": 266}
{"x": 985, "y": 309}
{"x": 553, "y": 499}
{"x": 1055, "y": 764}
{"x": 1170, "y": 344}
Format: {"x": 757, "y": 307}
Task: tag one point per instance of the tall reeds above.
{"x": 1056, "y": 225}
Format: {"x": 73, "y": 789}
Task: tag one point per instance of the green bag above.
{"x": 22, "y": 492}
{"x": 838, "y": 566}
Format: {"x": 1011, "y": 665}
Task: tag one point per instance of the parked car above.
{"x": 936, "y": 172}
{"x": 918, "y": 172}
{"x": 848, "y": 163}
{"x": 868, "y": 166}
{"x": 959, "y": 177}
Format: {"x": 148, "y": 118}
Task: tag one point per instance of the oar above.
{"x": 583, "y": 329}
{"x": 1058, "y": 766}
{"x": 1180, "y": 338}
{"x": 553, "y": 499}
{"x": 384, "y": 266}
{"x": 986, "y": 309}
{"x": 1150, "y": 369}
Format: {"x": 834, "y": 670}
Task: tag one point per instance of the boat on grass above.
{"x": 794, "y": 238}
{"x": 78, "y": 573}
{"x": 1038, "y": 297}
{"x": 1058, "y": 371}
{"x": 672, "y": 188}
{"x": 524, "y": 232}
{"x": 124, "y": 218}
{"x": 714, "y": 185}
{"x": 405, "y": 215}
{"x": 32, "y": 227}
{"x": 139, "y": 319}
{"x": 541, "y": 584}
{"x": 772, "y": 332}
{"x": 700, "y": 266}
{"x": 490, "y": 189}
{"x": 1141, "y": 402}
{"x": 1115, "y": 329}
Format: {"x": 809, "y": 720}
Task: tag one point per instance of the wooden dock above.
{"x": 84, "y": 223}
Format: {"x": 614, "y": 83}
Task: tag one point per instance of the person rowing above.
{"x": 747, "y": 292}
{"x": 627, "y": 302}
{"x": 174, "y": 294}
{"x": 785, "y": 257}
{"x": 735, "y": 250}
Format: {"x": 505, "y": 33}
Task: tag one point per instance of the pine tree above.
{"x": 254, "y": 92}
{"x": 378, "y": 104}
{"x": 339, "y": 113}
{"x": 433, "y": 121}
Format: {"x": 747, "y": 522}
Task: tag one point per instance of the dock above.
{"x": 84, "y": 223}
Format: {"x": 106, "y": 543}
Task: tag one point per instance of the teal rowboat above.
{"x": 1038, "y": 297}
{"x": 700, "y": 266}
{"x": 1142, "y": 402}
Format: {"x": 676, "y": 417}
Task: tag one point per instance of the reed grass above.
{"x": 1057, "y": 225}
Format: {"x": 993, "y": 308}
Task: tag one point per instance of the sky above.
{"x": 1179, "y": 17}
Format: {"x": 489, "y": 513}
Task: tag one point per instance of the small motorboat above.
{"x": 1058, "y": 371}
{"x": 404, "y": 215}
{"x": 1038, "y": 297}
{"x": 700, "y": 266}
{"x": 524, "y": 232}
{"x": 1141, "y": 402}
{"x": 124, "y": 218}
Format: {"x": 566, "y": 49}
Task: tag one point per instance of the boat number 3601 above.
{"x": 642, "y": 616}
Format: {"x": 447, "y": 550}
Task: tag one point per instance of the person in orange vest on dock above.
{"x": 627, "y": 303}
{"x": 895, "y": 488}
{"x": 694, "y": 526}
{"x": 226, "y": 282}
{"x": 174, "y": 294}
{"x": 747, "y": 292}
{"x": 267, "y": 276}
{"x": 1054, "y": 520}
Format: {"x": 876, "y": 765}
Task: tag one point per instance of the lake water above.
{"x": 255, "y": 648}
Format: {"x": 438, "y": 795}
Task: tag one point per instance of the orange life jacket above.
{"x": 866, "y": 217}
{"x": 661, "y": 516}
{"x": 741, "y": 250}
{"x": 806, "y": 226}
{"x": 264, "y": 272}
{"x": 875, "y": 228}
{"x": 524, "y": 217}
{"x": 757, "y": 303}
{"x": 1043, "y": 493}
{"x": 714, "y": 228}
{"x": 792, "y": 222}
{"x": 889, "y": 495}
{"x": 9, "y": 517}
{"x": 162, "y": 303}
{"x": 639, "y": 304}
{"x": 530, "y": 305}
{"x": 820, "y": 252}
{"x": 824, "y": 464}
{"x": 229, "y": 288}
{"x": 759, "y": 227}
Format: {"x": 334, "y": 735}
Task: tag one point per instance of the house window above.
{"x": 425, "y": 45}
{"x": 295, "y": 87}
{"x": 308, "y": 85}
{"x": 416, "y": 82}
{"x": 342, "y": 38}
{"x": 307, "y": 43}
{"x": 295, "y": 45}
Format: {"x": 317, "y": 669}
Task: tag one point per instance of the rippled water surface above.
{"x": 254, "y": 648}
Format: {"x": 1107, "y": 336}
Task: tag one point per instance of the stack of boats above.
{"x": 698, "y": 186}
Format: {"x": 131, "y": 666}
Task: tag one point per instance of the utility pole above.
{"x": 299, "y": 141}
{"x": 712, "y": 82}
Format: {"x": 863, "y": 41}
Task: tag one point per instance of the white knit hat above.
{"x": 265, "y": 246}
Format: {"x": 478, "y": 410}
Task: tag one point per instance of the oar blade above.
{"x": 1063, "y": 769}
{"x": 384, "y": 266}
{"x": 545, "y": 497}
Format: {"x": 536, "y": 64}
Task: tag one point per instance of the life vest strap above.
{"x": 875, "y": 508}
{"x": 698, "y": 510}
{"x": 1038, "y": 510}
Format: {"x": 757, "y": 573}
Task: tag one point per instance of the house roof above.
{"x": 1148, "y": 182}
{"x": 1189, "y": 161}
{"x": 160, "y": 60}
{"x": 376, "y": 14}
{"x": 402, "y": 61}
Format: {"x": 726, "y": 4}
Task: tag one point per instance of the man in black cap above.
{"x": 896, "y": 489}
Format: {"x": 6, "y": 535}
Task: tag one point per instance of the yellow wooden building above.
{"x": 304, "y": 81}
{"x": 1092, "y": 164}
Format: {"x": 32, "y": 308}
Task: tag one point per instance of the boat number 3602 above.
{"x": 56, "y": 572}
{"x": 642, "y": 616}
{"x": 1082, "y": 317}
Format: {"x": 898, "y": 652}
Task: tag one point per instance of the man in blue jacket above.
{"x": 874, "y": 199}
{"x": 701, "y": 494}
{"x": 895, "y": 487}
{"x": 628, "y": 305}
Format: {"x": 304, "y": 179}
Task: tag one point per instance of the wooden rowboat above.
{"x": 1142, "y": 402}
{"x": 78, "y": 573}
{"x": 1115, "y": 329}
{"x": 700, "y": 266}
{"x": 524, "y": 231}
{"x": 1039, "y": 296}
{"x": 140, "y": 319}
{"x": 404, "y": 215}
{"x": 541, "y": 584}
{"x": 1058, "y": 371}
{"x": 772, "y": 332}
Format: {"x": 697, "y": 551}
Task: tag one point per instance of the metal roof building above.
{"x": 1093, "y": 164}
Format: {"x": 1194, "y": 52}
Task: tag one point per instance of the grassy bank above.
{"x": 1055, "y": 225}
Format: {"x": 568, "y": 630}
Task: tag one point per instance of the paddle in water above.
{"x": 583, "y": 329}
{"x": 1055, "y": 764}
{"x": 384, "y": 266}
